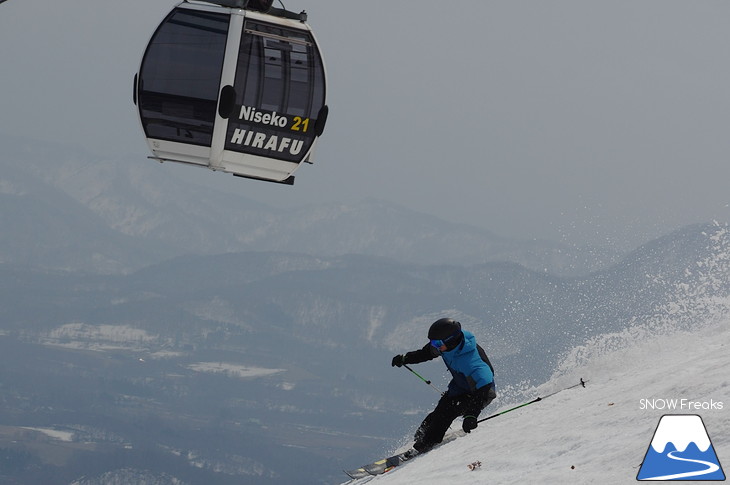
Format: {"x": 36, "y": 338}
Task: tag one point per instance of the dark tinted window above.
{"x": 180, "y": 76}
{"x": 279, "y": 91}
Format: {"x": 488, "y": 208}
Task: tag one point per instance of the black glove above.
{"x": 469, "y": 423}
{"x": 398, "y": 361}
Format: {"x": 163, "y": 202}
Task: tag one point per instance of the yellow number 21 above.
{"x": 300, "y": 124}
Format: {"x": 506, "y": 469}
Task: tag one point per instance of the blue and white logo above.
{"x": 681, "y": 450}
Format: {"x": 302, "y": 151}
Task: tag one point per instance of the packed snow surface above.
{"x": 597, "y": 434}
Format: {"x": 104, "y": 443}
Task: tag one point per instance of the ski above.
{"x": 386, "y": 464}
{"x": 379, "y": 467}
{"x": 382, "y": 466}
{"x": 357, "y": 473}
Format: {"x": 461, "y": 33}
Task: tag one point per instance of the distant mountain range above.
{"x": 67, "y": 209}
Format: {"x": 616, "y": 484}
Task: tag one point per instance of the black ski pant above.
{"x": 434, "y": 427}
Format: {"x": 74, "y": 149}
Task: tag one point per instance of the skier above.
{"x": 471, "y": 389}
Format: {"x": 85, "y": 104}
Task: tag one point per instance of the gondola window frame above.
{"x": 166, "y": 105}
{"x": 253, "y": 83}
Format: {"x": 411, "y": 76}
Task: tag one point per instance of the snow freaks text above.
{"x": 678, "y": 404}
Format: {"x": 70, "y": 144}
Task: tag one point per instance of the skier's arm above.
{"x": 479, "y": 399}
{"x": 428, "y": 352}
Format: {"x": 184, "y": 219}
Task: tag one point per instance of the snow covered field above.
{"x": 233, "y": 370}
{"x": 600, "y": 434}
{"x": 53, "y": 433}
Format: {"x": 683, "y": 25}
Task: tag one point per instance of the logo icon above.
{"x": 681, "y": 450}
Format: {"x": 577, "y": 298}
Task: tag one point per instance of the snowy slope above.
{"x": 601, "y": 430}
{"x": 600, "y": 434}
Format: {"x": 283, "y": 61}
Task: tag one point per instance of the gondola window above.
{"x": 181, "y": 73}
{"x": 280, "y": 88}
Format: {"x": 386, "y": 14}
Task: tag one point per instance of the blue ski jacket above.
{"x": 468, "y": 363}
{"x": 469, "y": 367}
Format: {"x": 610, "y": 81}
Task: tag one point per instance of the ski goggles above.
{"x": 440, "y": 343}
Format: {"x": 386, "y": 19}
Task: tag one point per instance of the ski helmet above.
{"x": 448, "y": 330}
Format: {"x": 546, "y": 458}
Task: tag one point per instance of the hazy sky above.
{"x": 583, "y": 121}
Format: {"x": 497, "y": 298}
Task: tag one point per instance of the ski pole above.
{"x": 423, "y": 379}
{"x": 538, "y": 399}
{"x": 511, "y": 409}
{"x": 581, "y": 383}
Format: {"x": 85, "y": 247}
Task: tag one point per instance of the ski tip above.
{"x": 357, "y": 474}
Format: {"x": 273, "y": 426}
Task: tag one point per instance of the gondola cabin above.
{"x": 234, "y": 87}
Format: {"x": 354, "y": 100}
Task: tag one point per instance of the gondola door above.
{"x": 275, "y": 107}
{"x": 179, "y": 82}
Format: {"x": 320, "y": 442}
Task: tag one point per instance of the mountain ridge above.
{"x": 162, "y": 215}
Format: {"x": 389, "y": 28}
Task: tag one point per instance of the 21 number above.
{"x": 300, "y": 124}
